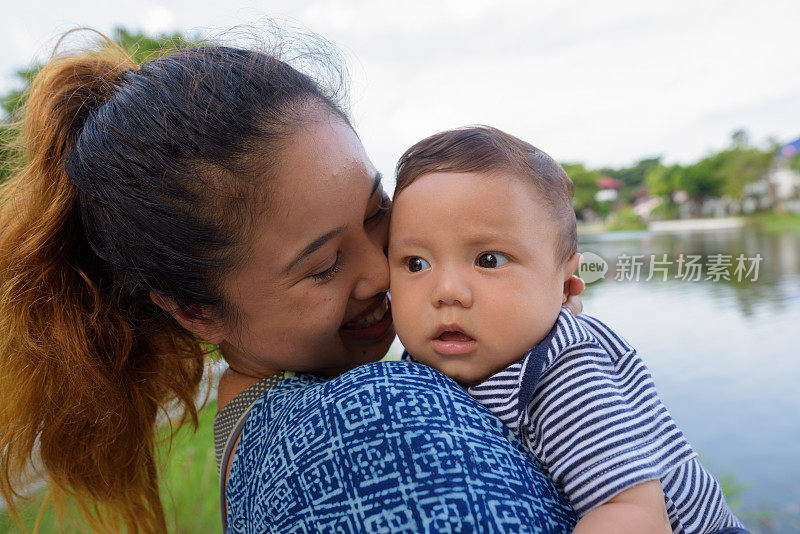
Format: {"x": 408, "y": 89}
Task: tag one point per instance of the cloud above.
{"x": 158, "y": 19}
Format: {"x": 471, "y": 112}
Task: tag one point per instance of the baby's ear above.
{"x": 570, "y": 266}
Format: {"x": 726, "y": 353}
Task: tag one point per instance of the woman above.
{"x": 213, "y": 194}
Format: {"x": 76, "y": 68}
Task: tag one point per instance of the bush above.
{"x": 625, "y": 219}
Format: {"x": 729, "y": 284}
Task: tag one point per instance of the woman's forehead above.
{"x": 324, "y": 181}
{"x": 323, "y": 164}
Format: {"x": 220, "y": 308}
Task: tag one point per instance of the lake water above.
{"x": 725, "y": 355}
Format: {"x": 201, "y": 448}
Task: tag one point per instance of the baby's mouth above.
{"x": 451, "y": 339}
{"x": 454, "y": 336}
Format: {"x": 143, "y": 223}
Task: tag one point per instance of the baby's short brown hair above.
{"x": 486, "y": 149}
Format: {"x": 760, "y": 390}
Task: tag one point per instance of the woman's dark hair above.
{"x": 135, "y": 179}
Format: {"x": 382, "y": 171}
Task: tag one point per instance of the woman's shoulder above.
{"x": 232, "y": 384}
{"x": 384, "y": 433}
{"x": 388, "y": 373}
{"x": 379, "y": 393}
{"x": 303, "y": 391}
{"x": 393, "y": 373}
{"x": 360, "y": 404}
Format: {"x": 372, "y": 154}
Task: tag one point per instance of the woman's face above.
{"x": 312, "y": 292}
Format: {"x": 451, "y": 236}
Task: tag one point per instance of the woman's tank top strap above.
{"x": 230, "y": 419}
{"x": 228, "y": 424}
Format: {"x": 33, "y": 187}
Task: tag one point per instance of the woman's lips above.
{"x": 371, "y": 324}
{"x": 452, "y": 340}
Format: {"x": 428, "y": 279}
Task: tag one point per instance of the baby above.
{"x": 482, "y": 242}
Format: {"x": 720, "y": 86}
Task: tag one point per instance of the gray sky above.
{"x": 605, "y": 83}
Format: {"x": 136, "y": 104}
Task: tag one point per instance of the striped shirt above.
{"x": 586, "y": 406}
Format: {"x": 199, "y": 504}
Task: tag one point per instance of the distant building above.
{"x": 780, "y": 187}
{"x": 785, "y": 181}
{"x": 608, "y": 189}
{"x": 643, "y": 203}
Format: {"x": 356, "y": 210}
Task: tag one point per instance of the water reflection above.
{"x": 723, "y": 354}
{"x": 780, "y": 258}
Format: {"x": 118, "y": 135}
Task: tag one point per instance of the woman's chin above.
{"x": 362, "y": 357}
{"x": 369, "y": 350}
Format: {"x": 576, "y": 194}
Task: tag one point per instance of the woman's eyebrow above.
{"x": 313, "y": 247}
{"x": 324, "y": 238}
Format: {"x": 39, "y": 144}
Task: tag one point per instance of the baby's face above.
{"x": 474, "y": 277}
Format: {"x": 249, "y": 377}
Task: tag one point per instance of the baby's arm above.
{"x": 639, "y": 509}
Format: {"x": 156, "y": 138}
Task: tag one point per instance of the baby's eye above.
{"x": 416, "y": 264}
{"x": 491, "y": 260}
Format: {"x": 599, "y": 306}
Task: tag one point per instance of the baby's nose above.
{"x": 452, "y": 290}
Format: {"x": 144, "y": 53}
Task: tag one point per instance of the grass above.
{"x": 590, "y": 228}
{"x": 625, "y": 219}
{"x": 773, "y": 222}
{"x": 189, "y": 487}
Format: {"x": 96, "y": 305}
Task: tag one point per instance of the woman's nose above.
{"x": 451, "y": 289}
{"x": 374, "y": 265}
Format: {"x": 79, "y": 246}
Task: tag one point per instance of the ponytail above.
{"x": 84, "y": 368}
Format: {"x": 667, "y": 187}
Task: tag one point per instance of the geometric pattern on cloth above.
{"x": 386, "y": 447}
{"x": 228, "y": 418}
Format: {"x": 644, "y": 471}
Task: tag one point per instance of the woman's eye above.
{"x": 328, "y": 273}
{"x": 384, "y": 207}
{"x": 417, "y": 264}
{"x": 491, "y": 260}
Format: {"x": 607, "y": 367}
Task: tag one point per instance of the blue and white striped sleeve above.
{"x": 595, "y": 420}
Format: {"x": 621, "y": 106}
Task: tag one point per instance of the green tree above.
{"x": 740, "y": 139}
{"x": 702, "y": 181}
{"x": 632, "y": 177}
{"x": 663, "y": 181}
{"x": 585, "y": 182}
{"x": 739, "y": 166}
{"x": 794, "y": 162}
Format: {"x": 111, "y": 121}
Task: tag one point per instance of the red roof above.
{"x": 607, "y": 182}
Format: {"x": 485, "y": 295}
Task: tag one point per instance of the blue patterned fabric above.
{"x": 388, "y": 447}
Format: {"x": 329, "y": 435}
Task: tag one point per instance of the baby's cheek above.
{"x": 406, "y": 315}
{"x": 512, "y": 323}
{"x": 399, "y": 312}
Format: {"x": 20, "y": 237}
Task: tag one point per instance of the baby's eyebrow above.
{"x": 487, "y": 238}
{"x": 411, "y": 241}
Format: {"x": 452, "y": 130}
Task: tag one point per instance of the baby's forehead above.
{"x": 499, "y": 204}
{"x": 502, "y": 181}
